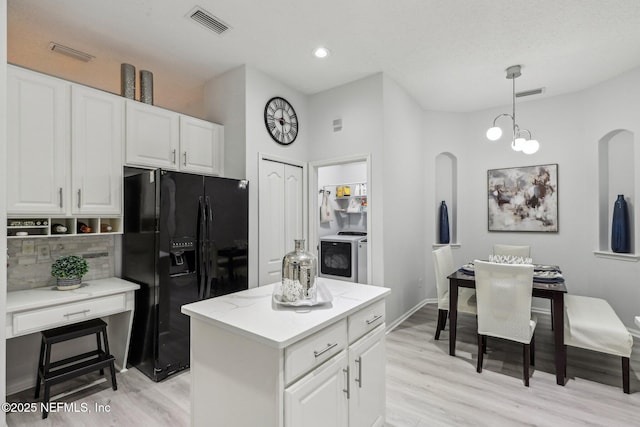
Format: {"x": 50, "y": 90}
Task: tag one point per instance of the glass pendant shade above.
{"x": 518, "y": 144}
{"x": 494, "y": 133}
{"x": 531, "y": 146}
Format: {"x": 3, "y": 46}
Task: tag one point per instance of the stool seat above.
{"x": 50, "y": 373}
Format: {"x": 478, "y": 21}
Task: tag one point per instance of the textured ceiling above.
{"x": 450, "y": 55}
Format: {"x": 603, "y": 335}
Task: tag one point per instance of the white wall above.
{"x": 3, "y": 215}
{"x": 225, "y": 102}
{"x": 259, "y": 89}
{"x": 405, "y": 246}
{"x": 568, "y": 128}
{"x": 359, "y": 105}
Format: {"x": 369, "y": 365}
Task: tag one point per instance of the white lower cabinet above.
{"x": 348, "y": 390}
{"x": 367, "y": 361}
{"x": 319, "y": 399}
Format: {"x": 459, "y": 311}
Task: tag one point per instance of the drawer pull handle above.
{"x": 77, "y": 312}
{"x": 185, "y": 158}
{"x": 348, "y": 389}
{"x": 359, "y": 378}
{"x": 79, "y": 204}
{"x": 60, "y": 193}
{"x": 321, "y": 352}
{"x": 374, "y": 319}
{"x": 174, "y": 157}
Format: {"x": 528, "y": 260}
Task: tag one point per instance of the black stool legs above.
{"x": 51, "y": 373}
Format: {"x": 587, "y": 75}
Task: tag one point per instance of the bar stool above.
{"x": 56, "y": 372}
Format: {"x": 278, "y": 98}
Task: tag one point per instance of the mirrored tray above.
{"x": 323, "y": 296}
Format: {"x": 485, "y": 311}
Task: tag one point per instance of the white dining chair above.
{"x": 443, "y": 266}
{"x": 503, "y": 294}
{"x": 515, "y": 250}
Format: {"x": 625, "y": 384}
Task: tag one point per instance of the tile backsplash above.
{"x": 29, "y": 260}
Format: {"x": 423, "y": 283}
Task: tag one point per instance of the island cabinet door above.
{"x": 367, "y": 360}
{"x": 319, "y": 399}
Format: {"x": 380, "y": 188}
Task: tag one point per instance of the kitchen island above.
{"x": 257, "y": 363}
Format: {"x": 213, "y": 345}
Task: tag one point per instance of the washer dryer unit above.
{"x": 339, "y": 255}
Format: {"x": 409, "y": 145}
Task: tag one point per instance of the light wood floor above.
{"x": 425, "y": 387}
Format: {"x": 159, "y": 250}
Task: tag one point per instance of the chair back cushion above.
{"x": 443, "y": 266}
{"x": 503, "y": 293}
{"x": 520, "y": 251}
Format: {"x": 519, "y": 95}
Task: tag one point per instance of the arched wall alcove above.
{"x": 616, "y": 176}
{"x": 446, "y": 188}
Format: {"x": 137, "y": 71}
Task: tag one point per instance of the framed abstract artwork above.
{"x": 523, "y": 199}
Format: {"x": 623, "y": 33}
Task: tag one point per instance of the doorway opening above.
{"x": 340, "y": 215}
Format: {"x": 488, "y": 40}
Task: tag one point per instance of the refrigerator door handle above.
{"x": 202, "y": 277}
{"x": 208, "y": 265}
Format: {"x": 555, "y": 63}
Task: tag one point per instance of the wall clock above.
{"x": 281, "y": 120}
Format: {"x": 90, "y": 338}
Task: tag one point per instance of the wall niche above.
{"x": 446, "y": 189}
{"x": 616, "y": 157}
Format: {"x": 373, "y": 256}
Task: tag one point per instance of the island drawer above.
{"x": 314, "y": 350}
{"x": 49, "y": 317}
{"x": 366, "y": 320}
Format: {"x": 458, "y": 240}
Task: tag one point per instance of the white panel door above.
{"x": 293, "y": 206}
{"x": 320, "y": 398}
{"x": 96, "y": 151}
{"x": 152, "y": 136}
{"x": 271, "y": 221}
{"x": 200, "y": 146}
{"x": 37, "y": 143}
{"x": 280, "y": 209}
{"x": 367, "y": 361}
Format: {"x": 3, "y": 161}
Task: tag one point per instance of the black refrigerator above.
{"x": 185, "y": 239}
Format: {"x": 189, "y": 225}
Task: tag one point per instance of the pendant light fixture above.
{"x": 522, "y": 139}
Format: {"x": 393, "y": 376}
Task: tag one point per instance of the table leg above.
{"x": 558, "y": 332}
{"x": 453, "y": 315}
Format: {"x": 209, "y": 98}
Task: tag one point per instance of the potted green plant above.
{"x": 68, "y": 270}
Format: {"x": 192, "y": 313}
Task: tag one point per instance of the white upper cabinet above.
{"x": 200, "y": 146}
{"x": 160, "y": 138}
{"x": 38, "y": 143}
{"x": 152, "y": 136}
{"x": 64, "y": 147}
{"x": 97, "y": 136}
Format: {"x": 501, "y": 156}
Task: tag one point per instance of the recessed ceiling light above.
{"x": 321, "y": 52}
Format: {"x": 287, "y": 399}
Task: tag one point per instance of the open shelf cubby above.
{"x": 38, "y": 227}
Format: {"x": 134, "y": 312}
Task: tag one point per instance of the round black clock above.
{"x": 281, "y": 120}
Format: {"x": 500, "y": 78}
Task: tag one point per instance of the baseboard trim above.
{"x": 408, "y": 314}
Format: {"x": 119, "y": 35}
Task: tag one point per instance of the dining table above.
{"x": 553, "y": 291}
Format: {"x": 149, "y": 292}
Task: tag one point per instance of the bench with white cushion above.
{"x": 591, "y": 323}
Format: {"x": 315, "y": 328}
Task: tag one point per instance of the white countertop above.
{"x": 41, "y": 297}
{"x": 253, "y": 314}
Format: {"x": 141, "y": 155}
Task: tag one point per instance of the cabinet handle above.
{"x": 374, "y": 319}
{"x": 359, "y": 378}
{"x": 60, "y": 193}
{"x": 348, "y": 389}
{"x": 174, "y": 156}
{"x": 77, "y": 312}
{"x": 321, "y": 352}
{"x": 79, "y": 198}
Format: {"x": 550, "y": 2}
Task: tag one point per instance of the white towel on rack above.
{"x": 326, "y": 211}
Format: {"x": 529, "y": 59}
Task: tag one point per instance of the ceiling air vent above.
{"x": 69, "y": 51}
{"x": 207, "y": 20}
{"x": 530, "y": 92}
